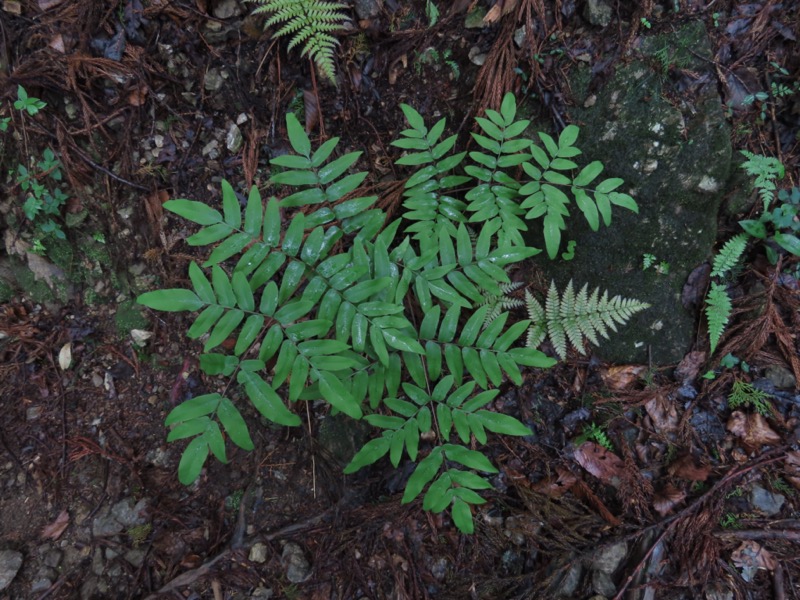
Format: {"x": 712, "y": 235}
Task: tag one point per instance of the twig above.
{"x": 108, "y": 172}
{"x": 792, "y": 535}
{"x": 193, "y": 575}
{"x": 669, "y": 523}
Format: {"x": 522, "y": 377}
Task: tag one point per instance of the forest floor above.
{"x": 639, "y": 482}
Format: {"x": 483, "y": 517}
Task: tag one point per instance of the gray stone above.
{"x": 105, "y": 525}
{"x": 211, "y": 149}
{"x": 52, "y": 558}
{"x": 298, "y": 569}
{"x": 368, "y": 9}
{"x": 135, "y": 557}
{"x": 233, "y": 139}
{"x": 258, "y": 553}
{"x": 675, "y": 161}
{"x": 597, "y": 12}
{"x": 98, "y": 564}
{"x": 262, "y": 593}
{"x": 40, "y": 585}
{"x": 225, "y": 9}
{"x": 89, "y": 588}
{"x": 765, "y": 501}
{"x": 781, "y": 377}
{"x": 10, "y": 562}
{"x": 569, "y": 585}
{"x": 213, "y": 80}
{"x": 131, "y": 515}
{"x": 602, "y": 584}
{"x": 607, "y": 559}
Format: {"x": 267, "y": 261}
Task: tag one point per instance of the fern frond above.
{"x": 729, "y": 255}
{"x": 309, "y": 23}
{"x": 718, "y": 311}
{"x": 500, "y": 303}
{"x": 574, "y": 316}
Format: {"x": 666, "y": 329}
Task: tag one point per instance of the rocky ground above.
{"x": 147, "y": 101}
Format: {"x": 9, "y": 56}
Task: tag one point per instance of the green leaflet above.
{"x": 314, "y": 296}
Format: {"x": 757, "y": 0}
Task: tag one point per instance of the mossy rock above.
{"x": 129, "y": 316}
{"x": 675, "y": 158}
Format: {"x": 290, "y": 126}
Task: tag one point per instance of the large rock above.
{"x": 10, "y": 562}
{"x": 658, "y": 123}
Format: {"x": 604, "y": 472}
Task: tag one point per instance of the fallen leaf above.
{"x": 792, "y": 468}
{"x": 686, "y": 467}
{"x": 667, "y": 499}
{"x": 138, "y": 96}
{"x": 621, "y": 377}
{"x": 54, "y": 530}
{"x": 48, "y": 4}
{"x": 140, "y": 336}
{"x": 13, "y": 7}
{"x": 555, "y": 487}
{"x": 751, "y": 556}
{"x": 57, "y": 44}
{"x": 65, "y": 356}
{"x": 311, "y": 109}
{"x": 689, "y": 368}
{"x": 662, "y": 413}
{"x": 603, "y": 464}
{"x": 394, "y": 68}
{"x": 754, "y": 430}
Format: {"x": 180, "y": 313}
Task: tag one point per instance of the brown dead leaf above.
{"x": 603, "y": 464}
{"x": 311, "y": 105}
{"x": 138, "y": 96}
{"x": 57, "y": 44}
{"x": 754, "y": 430}
{"x": 792, "y": 468}
{"x": 54, "y": 530}
{"x": 687, "y": 467}
{"x": 621, "y": 377}
{"x": 13, "y": 7}
{"x": 662, "y": 413}
{"x": 555, "y": 487}
{"x": 752, "y": 555}
{"x": 153, "y": 207}
{"x": 689, "y": 368}
{"x": 395, "y": 68}
{"x": 667, "y": 499}
{"x": 48, "y": 4}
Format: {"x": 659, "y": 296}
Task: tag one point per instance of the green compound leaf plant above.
{"x": 321, "y": 299}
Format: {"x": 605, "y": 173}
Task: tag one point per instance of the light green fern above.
{"x": 574, "y": 317}
{"x": 729, "y": 255}
{"x": 499, "y": 303}
{"x": 310, "y": 23}
{"x": 766, "y": 170}
{"x": 718, "y": 304}
{"x": 718, "y": 311}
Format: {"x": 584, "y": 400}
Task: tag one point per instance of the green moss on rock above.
{"x": 675, "y": 157}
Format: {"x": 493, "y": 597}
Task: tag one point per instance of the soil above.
{"x": 144, "y": 100}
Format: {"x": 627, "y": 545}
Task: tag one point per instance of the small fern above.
{"x": 500, "y": 303}
{"x": 595, "y": 433}
{"x": 575, "y": 316}
{"x": 309, "y": 22}
{"x": 718, "y": 311}
{"x": 766, "y": 169}
{"x": 729, "y": 255}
